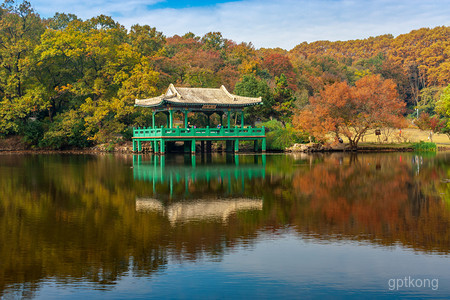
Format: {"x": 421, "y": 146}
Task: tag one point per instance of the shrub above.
{"x": 32, "y": 131}
{"x": 66, "y": 131}
{"x": 424, "y": 146}
{"x": 280, "y": 137}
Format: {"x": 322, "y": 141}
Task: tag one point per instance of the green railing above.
{"x": 207, "y": 132}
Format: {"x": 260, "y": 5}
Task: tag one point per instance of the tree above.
{"x": 283, "y": 99}
{"x": 20, "y": 31}
{"x": 351, "y": 111}
{"x": 433, "y": 124}
{"x": 213, "y": 41}
{"x": 250, "y": 86}
{"x": 146, "y": 39}
{"x": 443, "y": 107}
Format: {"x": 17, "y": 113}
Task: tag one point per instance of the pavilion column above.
{"x": 228, "y": 119}
{"x": 170, "y": 118}
{"x": 156, "y": 150}
{"x": 193, "y": 146}
{"x": 162, "y": 146}
{"x": 185, "y": 118}
{"x": 242, "y": 119}
{"x": 153, "y": 119}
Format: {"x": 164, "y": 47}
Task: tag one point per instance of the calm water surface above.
{"x": 272, "y": 226}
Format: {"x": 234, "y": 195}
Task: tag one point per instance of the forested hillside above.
{"x": 67, "y": 82}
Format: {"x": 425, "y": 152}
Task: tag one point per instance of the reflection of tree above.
{"x": 372, "y": 200}
{"x": 72, "y": 218}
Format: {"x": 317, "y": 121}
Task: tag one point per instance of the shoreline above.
{"x": 126, "y": 148}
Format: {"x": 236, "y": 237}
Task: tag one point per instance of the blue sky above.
{"x": 279, "y": 23}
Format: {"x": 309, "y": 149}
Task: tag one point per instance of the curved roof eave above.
{"x": 198, "y": 104}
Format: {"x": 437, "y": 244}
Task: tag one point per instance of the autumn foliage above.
{"x": 66, "y": 77}
{"x": 352, "y": 110}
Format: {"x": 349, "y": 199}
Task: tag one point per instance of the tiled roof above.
{"x": 198, "y": 97}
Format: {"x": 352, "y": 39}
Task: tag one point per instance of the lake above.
{"x": 225, "y": 226}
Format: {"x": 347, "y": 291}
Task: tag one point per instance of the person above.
{"x": 219, "y": 126}
{"x": 188, "y": 126}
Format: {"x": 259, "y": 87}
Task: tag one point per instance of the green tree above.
{"x": 283, "y": 99}
{"x": 250, "y": 86}
{"x": 443, "y": 108}
{"x": 20, "y": 31}
{"x": 146, "y": 40}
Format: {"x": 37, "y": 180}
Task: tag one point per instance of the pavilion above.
{"x": 199, "y": 100}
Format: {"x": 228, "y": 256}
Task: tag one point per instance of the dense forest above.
{"x": 67, "y": 82}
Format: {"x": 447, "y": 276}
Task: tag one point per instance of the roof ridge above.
{"x": 198, "y": 88}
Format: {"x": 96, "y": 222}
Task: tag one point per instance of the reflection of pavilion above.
{"x": 199, "y": 189}
{"x": 231, "y": 175}
{"x": 157, "y": 170}
{"x": 200, "y": 209}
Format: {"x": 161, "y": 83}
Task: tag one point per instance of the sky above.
{"x": 264, "y": 23}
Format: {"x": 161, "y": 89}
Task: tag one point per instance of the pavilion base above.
{"x": 162, "y": 146}
{"x": 164, "y": 140}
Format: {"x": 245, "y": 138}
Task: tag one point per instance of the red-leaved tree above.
{"x": 352, "y": 110}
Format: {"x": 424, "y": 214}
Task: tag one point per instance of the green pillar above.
{"x": 236, "y": 146}
{"x": 156, "y": 150}
{"x": 171, "y": 186}
{"x": 153, "y": 119}
{"x": 134, "y": 145}
{"x": 193, "y": 146}
{"x": 185, "y": 119}
{"x": 228, "y": 118}
{"x": 263, "y": 146}
{"x": 139, "y": 146}
{"x": 242, "y": 119}
{"x": 255, "y": 145}
{"x": 162, "y": 162}
{"x": 170, "y": 118}
{"x": 163, "y": 146}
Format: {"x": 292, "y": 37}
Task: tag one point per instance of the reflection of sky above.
{"x": 282, "y": 266}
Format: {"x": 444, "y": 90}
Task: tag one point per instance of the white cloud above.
{"x": 86, "y": 9}
{"x": 282, "y": 23}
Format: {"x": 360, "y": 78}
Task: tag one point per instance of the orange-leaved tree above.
{"x": 352, "y": 110}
